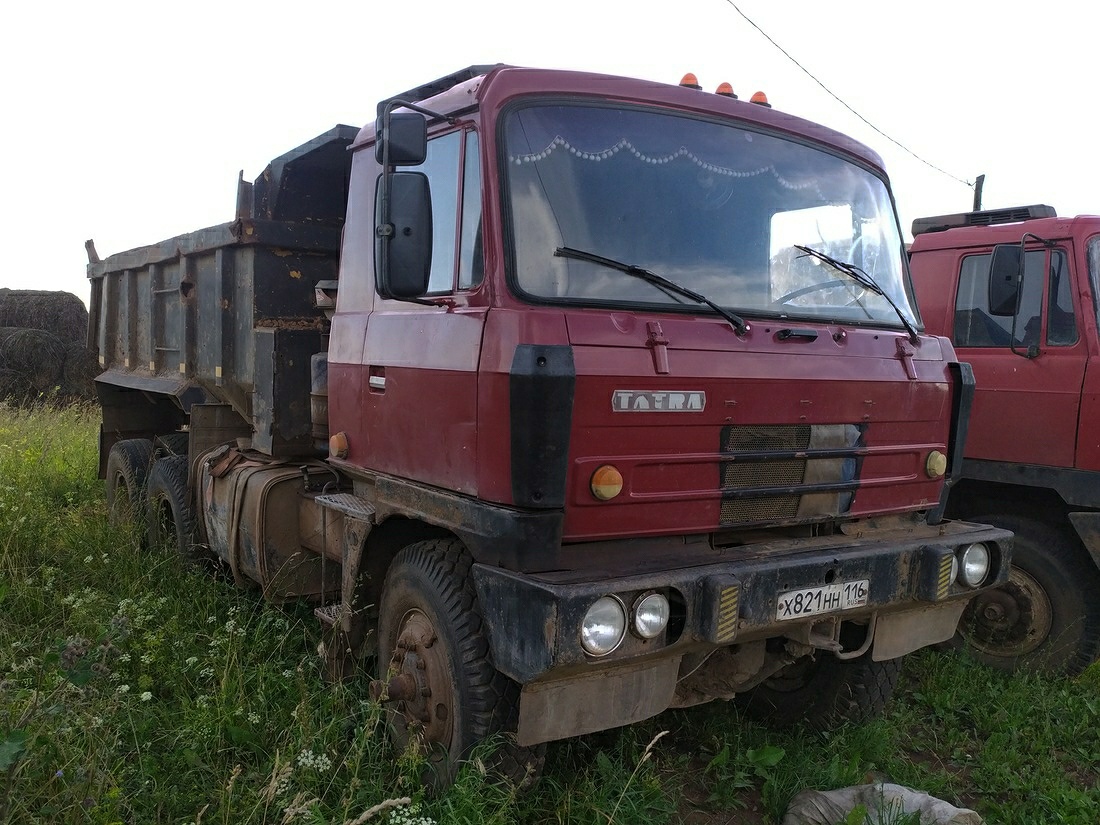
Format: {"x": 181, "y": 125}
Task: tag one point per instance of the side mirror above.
{"x": 407, "y": 138}
{"x": 1006, "y": 273}
{"x": 406, "y": 254}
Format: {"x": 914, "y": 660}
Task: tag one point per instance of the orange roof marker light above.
{"x": 761, "y": 99}
{"x": 726, "y": 90}
{"x": 690, "y": 81}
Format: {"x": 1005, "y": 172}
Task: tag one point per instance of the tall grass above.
{"x": 135, "y": 691}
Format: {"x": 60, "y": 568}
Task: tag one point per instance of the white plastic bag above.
{"x": 879, "y": 799}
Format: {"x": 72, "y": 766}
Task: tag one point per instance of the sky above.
{"x": 128, "y": 123}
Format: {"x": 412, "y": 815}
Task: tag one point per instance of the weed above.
{"x": 134, "y": 690}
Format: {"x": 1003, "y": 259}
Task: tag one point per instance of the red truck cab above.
{"x": 1033, "y": 448}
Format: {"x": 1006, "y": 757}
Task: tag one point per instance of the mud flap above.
{"x": 897, "y": 634}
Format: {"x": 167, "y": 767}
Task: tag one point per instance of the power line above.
{"x": 831, "y": 94}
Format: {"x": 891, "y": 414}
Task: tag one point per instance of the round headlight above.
{"x": 975, "y": 564}
{"x": 604, "y": 626}
{"x": 651, "y": 615}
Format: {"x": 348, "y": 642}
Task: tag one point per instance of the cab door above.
{"x": 419, "y": 402}
{"x": 1029, "y": 369}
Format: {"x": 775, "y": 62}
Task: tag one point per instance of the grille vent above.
{"x": 757, "y": 470}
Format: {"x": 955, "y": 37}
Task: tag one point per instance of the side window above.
{"x": 445, "y": 168}
{"x": 471, "y": 262}
{"x": 975, "y": 326}
{"x": 442, "y": 167}
{"x": 1061, "y": 325}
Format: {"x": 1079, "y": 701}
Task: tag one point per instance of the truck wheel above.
{"x": 171, "y": 514}
{"x": 172, "y": 444}
{"x": 436, "y": 678}
{"x": 824, "y": 692}
{"x": 127, "y": 470}
{"x": 1047, "y": 616}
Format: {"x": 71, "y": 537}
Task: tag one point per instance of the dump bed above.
{"x": 227, "y": 314}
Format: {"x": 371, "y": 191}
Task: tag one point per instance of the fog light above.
{"x": 651, "y": 615}
{"x": 604, "y": 626}
{"x": 975, "y": 564}
{"x": 607, "y": 482}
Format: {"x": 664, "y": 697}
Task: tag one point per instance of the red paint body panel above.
{"x": 1042, "y": 410}
{"x": 670, "y": 460}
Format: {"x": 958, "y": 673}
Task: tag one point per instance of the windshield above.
{"x": 718, "y": 209}
{"x": 1094, "y": 272}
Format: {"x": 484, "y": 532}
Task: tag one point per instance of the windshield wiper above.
{"x": 864, "y": 280}
{"x": 738, "y": 323}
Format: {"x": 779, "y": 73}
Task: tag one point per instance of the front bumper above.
{"x": 533, "y": 621}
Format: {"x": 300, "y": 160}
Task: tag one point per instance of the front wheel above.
{"x": 824, "y": 692}
{"x": 1046, "y": 617}
{"x": 436, "y": 678}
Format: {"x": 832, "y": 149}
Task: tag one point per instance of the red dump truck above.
{"x": 567, "y": 398}
{"x": 1017, "y": 290}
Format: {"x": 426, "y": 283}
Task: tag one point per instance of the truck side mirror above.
{"x": 1006, "y": 273}
{"x": 407, "y": 251}
{"x": 407, "y": 139}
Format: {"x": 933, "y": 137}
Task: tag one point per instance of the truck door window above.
{"x": 442, "y": 168}
{"x": 1061, "y": 325}
{"x": 471, "y": 259}
{"x": 976, "y": 326}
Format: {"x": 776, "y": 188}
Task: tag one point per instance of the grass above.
{"x": 134, "y": 691}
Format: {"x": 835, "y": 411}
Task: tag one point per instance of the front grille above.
{"x": 761, "y": 457}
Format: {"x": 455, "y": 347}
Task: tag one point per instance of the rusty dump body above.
{"x": 769, "y": 468}
{"x": 226, "y": 314}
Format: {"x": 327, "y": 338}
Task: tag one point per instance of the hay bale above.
{"x": 32, "y": 364}
{"x": 60, "y": 313}
{"x": 78, "y": 375}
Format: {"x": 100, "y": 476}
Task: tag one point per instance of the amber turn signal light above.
{"x": 607, "y": 482}
{"x": 338, "y": 445}
{"x": 936, "y": 465}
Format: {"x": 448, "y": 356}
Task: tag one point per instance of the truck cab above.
{"x": 1027, "y": 325}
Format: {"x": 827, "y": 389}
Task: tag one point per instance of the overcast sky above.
{"x": 128, "y": 122}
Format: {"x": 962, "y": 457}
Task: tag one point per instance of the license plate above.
{"x": 809, "y": 601}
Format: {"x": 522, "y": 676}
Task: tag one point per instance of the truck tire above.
{"x": 435, "y": 673}
{"x": 823, "y": 692}
{"x": 1047, "y": 616}
{"x": 127, "y": 470}
{"x": 172, "y": 444}
{"x": 171, "y": 516}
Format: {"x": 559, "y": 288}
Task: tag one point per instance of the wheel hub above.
{"x": 1010, "y": 620}
{"x": 417, "y": 690}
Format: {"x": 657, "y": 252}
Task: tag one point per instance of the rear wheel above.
{"x": 127, "y": 470}
{"x": 824, "y": 692}
{"x": 1047, "y": 616}
{"x": 171, "y": 515}
{"x": 436, "y": 677}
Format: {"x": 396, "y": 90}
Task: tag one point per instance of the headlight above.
{"x": 651, "y": 615}
{"x": 604, "y": 626}
{"x": 975, "y": 565}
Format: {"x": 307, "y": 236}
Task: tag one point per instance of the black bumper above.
{"x": 534, "y": 621}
